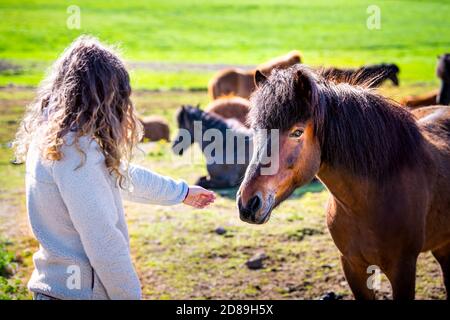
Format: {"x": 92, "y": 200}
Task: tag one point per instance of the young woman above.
{"x": 77, "y": 139}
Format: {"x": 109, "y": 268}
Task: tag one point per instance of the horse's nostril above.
{"x": 254, "y": 204}
{"x": 248, "y": 211}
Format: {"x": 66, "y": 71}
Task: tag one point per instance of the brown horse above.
{"x": 427, "y": 99}
{"x": 282, "y": 62}
{"x": 230, "y": 108}
{"x": 155, "y": 128}
{"x": 388, "y": 174}
{"x": 239, "y": 82}
{"x": 232, "y": 81}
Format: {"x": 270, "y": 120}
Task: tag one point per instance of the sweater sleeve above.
{"x": 88, "y": 196}
{"x": 152, "y": 188}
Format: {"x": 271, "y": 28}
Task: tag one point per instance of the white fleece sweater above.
{"x": 78, "y": 218}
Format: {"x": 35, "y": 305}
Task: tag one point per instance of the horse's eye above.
{"x": 297, "y": 133}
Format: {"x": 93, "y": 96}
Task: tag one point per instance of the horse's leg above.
{"x": 356, "y": 275}
{"x": 402, "y": 276}
{"x": 442, "y": 255}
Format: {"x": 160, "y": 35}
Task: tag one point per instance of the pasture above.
{"x": 176, "y": 250}
{"x": 172, "y": 49}
{"x": 155, "y": 35}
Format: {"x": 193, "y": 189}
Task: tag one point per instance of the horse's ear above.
{"x": 303, "y": 84}
{"x": 260, "y": 78}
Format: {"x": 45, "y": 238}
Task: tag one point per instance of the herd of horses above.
{"x": 385, "y": 164}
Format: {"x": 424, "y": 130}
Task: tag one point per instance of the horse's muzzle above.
{"x": 249, "y": 212}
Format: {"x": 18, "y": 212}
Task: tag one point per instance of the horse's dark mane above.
{"x": 208, "y": 120}
{"x": 368, "y": 76}
{"x": 357, "y": 129}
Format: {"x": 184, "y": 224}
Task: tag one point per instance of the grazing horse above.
{"x": 155, "y": 128}
{"x": 427, "y": 99}
{"x": 441, "y": 96}
{"x": 372, "y": 76}
{"x": 230, "y": 108}
{"x": 231, "y": 140}
{"x": 443, "y": 72}
{"x": 239, "y": 82}
{"x": 231, "y": 81}
{"x": 388, "y": 174}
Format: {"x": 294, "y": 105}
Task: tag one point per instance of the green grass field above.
{"x": 175, "y": 249}
{"x": 33, "y": 33}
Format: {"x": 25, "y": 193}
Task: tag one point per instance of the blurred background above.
{"x": 172, "y": 49}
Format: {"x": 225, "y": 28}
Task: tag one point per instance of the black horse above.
{"x": 371, "y": 76}
{"x": 225, "y": 143}
{"x": 443, "y": 72}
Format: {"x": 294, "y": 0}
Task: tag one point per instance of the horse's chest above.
{"x": 352, "y": 238}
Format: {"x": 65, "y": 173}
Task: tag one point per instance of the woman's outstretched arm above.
{"x": 152, "y": 188}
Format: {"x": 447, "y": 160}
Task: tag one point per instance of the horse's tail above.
{"x": 212, "y": 88}
{"x": 215, "y": 85}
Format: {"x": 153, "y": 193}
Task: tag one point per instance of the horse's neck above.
{"x": 225, "y": 129}
{"x": 444, "y": 93}
{"x": 346, "y": 189}
{"x": 206, "y": 124}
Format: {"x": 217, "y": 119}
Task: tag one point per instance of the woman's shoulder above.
{"x": 76, "y": 148}
{"x": 85, "y": 141}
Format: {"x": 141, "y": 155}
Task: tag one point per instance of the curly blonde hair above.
{"x": 87, "y": 91}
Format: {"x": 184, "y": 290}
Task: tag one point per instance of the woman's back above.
{"x": 63, "y": 269}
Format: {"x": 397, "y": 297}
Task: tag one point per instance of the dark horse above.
{"x": 373, "y": 76}
{"x": 388, "y": 173}
{"x": 441, "y": 96}
{"x": 443, "y": 72}
{"x": 225, "y": 143}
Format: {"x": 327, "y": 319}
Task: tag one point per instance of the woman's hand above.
{"x": 199, "y": 197}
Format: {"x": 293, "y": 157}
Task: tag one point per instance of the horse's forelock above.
{"x": 278, "y": 103}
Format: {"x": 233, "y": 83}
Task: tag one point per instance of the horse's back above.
{"x": 281, "y": 62}
{"x": 155, "y": 128}
{"x": 433, "y": 116}
{"x": 424, "y": 100}
{"x": 230, "y": 82}
{"x": 230, "y": 107}
{"x": 434, "y": 122}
